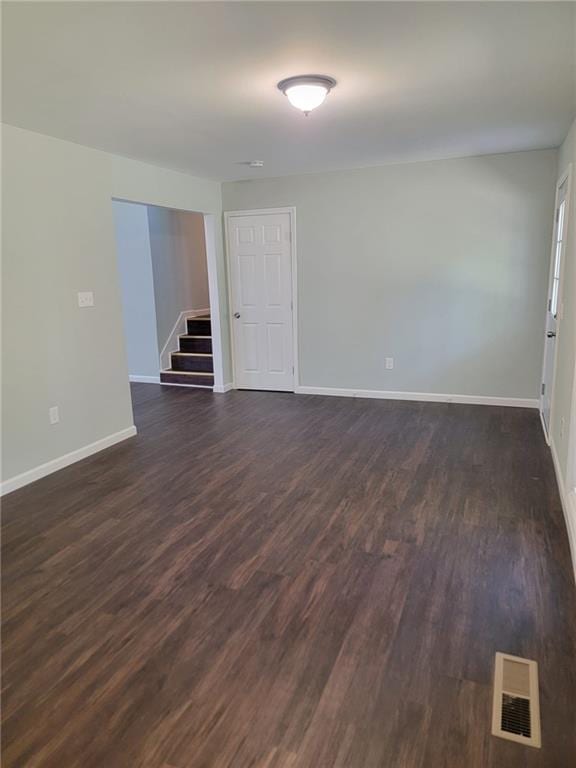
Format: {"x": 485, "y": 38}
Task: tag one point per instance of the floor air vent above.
{"x": 516, "y": 708}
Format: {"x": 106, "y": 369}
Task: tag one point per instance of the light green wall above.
{"x": 442, "y": 265}
{"x": 136, "y": 288}
{"x": 564, "y": 379}
{"x": 58, "y": 238}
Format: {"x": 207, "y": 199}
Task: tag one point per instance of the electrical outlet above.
{"x": 85, "y": 299}
{"x": 389, "y": 363}
{"x": 54, "y": 414}
{"x": 562, "y": 427}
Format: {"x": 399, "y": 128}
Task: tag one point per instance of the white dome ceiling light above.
{"x": 306, "y": 92}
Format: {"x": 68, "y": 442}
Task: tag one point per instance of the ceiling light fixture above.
{"x": 306, "y": 92}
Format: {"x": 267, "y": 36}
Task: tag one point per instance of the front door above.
{"x": 554, "y": 306}
{"x": 259, "y": 249}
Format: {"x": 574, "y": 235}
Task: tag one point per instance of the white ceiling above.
{"x": 192, "y": 86}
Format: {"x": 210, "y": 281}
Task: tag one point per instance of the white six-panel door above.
{"x": 259, "y": 252}
{"x": 554, "y": 307}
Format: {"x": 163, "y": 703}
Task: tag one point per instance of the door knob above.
{"x": 236, "y": 315}
{"x": 551, "y": 335}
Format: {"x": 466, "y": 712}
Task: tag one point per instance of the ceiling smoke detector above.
{"x": 256, "y": 163}
{"x": 306, "y": 92}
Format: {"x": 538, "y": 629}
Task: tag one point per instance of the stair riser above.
{"x": 184, "y": 363}
{"x": 199, "y": 327}
{"x": 199, "y": 381}
{"x": 196, "y": 345}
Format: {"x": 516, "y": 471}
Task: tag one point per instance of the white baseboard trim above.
{"x": 145, "y": 379}
{"x": 428, "y": 397}
{"x": 221, "y": 388}
{"x": 13, "y": 483}
{"x": 568, "y": 499}
{"x": 570, "y": 514}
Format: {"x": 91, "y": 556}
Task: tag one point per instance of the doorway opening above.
{"x": 168, "y": 286}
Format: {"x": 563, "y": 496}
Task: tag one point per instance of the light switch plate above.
{"x": 85, "y": 299}
{"x": 54, "y": 414}
{"x": 389, "y": 363}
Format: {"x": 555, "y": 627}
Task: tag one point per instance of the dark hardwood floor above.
{"x": 264, "y": 580}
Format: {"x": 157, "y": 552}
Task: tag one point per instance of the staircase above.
{"x": 192, "y": 365}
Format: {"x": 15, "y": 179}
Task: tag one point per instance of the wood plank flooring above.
{"x": 263, "y": 580}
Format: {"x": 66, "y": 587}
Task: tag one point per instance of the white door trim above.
{"x": 291, "y": 211}
{"x": 566, "y": 175}
{"x": 571, "y": 468}
{"x": 214, "y": 295}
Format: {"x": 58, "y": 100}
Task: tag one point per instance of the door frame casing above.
{"x": 291, "y": 211}
{"x": 210, "y": 236}
{"x": 565, "y": 176}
